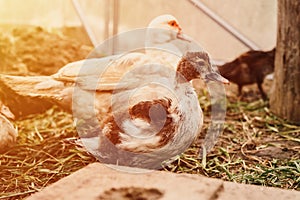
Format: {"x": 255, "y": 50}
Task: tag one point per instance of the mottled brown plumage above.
{"x": 250, "y": 67}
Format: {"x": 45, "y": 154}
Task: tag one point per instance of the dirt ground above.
{"x": 249, "y": 137}
{"x": 29, "y": 50}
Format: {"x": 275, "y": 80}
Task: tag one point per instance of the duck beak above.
{"x": 180, "y": 36}
{"x": 213, "y": 76}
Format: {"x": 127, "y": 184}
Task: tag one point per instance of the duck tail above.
{"x": 28, "y": 95}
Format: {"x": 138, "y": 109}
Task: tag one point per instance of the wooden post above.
{"x": 285, "y": 97}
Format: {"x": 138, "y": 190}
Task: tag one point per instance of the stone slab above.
{"x": 97, "y": 181}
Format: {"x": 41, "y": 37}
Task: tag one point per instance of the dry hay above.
{"x": 255, "y": 148}
{"x": 42, "y": 155}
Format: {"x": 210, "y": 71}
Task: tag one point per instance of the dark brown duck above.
{"x": 250, "y": 67}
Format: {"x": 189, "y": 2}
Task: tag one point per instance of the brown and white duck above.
{"x": 144, "y": 115}
{"x": 250, "y": 67}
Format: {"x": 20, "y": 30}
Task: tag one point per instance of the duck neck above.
{"x": 185, "y": 71}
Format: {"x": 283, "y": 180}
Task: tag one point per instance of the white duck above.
{"x": 8, "y": 134}
{"x": 161, "y": 32}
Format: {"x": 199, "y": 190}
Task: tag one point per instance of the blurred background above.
{"x": 254, "y": 20}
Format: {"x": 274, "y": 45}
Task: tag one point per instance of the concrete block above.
{"x": 98, "y": 181}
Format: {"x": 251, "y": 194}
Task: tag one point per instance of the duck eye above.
{"x": 172, "y": 23}
{"x": 202, "y": 63}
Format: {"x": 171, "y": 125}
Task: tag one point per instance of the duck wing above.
{"x": 124, "y": 72}
{"x": 98, "y": 73}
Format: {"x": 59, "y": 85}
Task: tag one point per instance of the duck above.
{"x": 8, "y": 134}
{"x": 249, "y": 68}
{"x": 161, "y": 33}
{"x": 148, "y": 114}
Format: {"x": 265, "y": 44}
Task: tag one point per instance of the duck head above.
{"x": 194, "y": 65}
{"x": 171, "y": 25}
